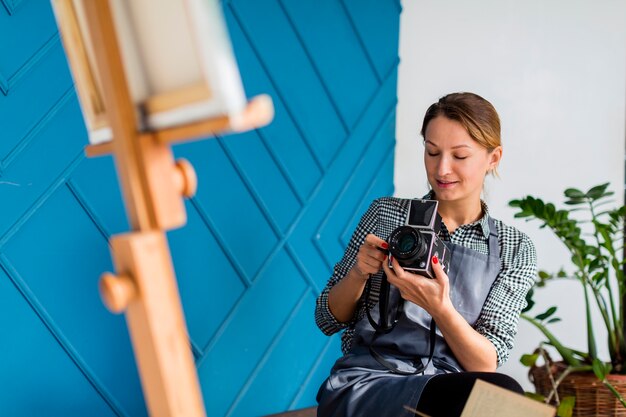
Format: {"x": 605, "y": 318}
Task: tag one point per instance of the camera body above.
{"x": 415, "y": 243}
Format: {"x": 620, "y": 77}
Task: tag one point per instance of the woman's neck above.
{"x": 458, "y": 213}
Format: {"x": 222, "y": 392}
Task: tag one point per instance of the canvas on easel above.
{"x": 177, "y": 58}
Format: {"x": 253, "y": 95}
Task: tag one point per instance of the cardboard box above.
{"x": 489, "y": 400}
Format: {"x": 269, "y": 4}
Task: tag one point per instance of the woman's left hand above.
{"x": 433, "y": 295}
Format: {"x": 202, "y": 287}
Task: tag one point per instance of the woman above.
{"x": 450, "y": 330}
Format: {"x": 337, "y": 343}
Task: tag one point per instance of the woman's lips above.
{"x": 446, "y": 184}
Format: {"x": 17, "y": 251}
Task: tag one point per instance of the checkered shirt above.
{"x": 500, "y": 314}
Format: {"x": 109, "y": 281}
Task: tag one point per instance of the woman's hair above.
{"x": 477, "y": 115}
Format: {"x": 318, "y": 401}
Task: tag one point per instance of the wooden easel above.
{"x": 153, "y": 186}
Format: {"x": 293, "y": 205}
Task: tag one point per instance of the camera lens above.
{"x": 407, "y": 245}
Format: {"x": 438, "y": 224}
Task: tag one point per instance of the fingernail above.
{"x": 435, "y": 260}
{"x": 385, "y": 258}
{"x": 384, "y": 245}
{"x": 390, "y": 258}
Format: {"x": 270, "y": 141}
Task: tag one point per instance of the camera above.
{"x": 414, "y": 244}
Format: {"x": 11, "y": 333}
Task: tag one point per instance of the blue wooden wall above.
{"x": 274, "y": 209}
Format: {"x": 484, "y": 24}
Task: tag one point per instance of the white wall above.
{"x": 556, "y": 72}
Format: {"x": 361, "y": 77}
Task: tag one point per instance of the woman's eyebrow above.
{"x": 454, "y": 147}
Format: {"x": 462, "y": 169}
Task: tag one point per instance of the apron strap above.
{"x": 418, "y": 368}
{"x": 494, "y": 248}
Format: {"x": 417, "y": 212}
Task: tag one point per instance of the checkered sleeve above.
{"x": 324, "y": 318}
{"x": 500, "y": 314}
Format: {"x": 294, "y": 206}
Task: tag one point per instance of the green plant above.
{"x": 594, "y": 236}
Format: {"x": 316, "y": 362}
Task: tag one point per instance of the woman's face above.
{"x": 456, "y": 165}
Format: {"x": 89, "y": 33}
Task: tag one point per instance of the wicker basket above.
{"x": 592, "y": 397}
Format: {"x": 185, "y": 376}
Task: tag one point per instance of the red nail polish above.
{"x": 384, "y": 257}
{"x": 435, "y": 260}
{"x": 384, "y": 245}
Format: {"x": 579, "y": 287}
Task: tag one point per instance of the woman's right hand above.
{"x": 343, "y": 297}
{"x": 369, "y": 259}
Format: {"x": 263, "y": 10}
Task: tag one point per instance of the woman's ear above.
{"x": 494, "y": 158}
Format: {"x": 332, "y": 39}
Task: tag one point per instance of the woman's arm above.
{"x": 499, "y": 317}
{"x": 343, "y": 297}
{"x": 473, "y": 351}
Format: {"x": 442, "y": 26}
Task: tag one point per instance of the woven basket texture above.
{"x": 593, "y": 399}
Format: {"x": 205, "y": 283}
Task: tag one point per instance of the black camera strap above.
{"x": 385, "y": 327}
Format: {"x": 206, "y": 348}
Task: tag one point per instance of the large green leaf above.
{"x": 566, "y": 408}
{"x": 543, "y": 274}
{"x": 546, "y": 314}
{"x": 575, "y": 201}
{"x": 529, "y": 359}
{"x": 597, "y": 192}
{"x": 600, "y": 368}
{"x": 529, "y": 300}
{"x": 574, "y": 193}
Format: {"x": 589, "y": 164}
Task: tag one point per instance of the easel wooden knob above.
{"x": 185, "y": 178}
{"x": 117, "y": 291}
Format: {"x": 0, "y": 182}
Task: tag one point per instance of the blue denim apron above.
{"x": 359, "y": 384}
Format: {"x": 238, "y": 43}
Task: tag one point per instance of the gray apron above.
{"x": 359, "y": 384}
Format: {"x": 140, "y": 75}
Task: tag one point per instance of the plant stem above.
{"x": 555, "y": 385}
{"x": 591, "y": 338}
{"x": 615, "y": 392}
{"x": 565, "y": 353}
{"x": 614, "y": 328}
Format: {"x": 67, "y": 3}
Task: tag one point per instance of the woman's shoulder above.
{"x": 385, "y": 214}
{"x": 398, "y": 202}
{"x": 390, "y": 204}
{"x": 389, "y": 200}
{"x": 513, "y": 239}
